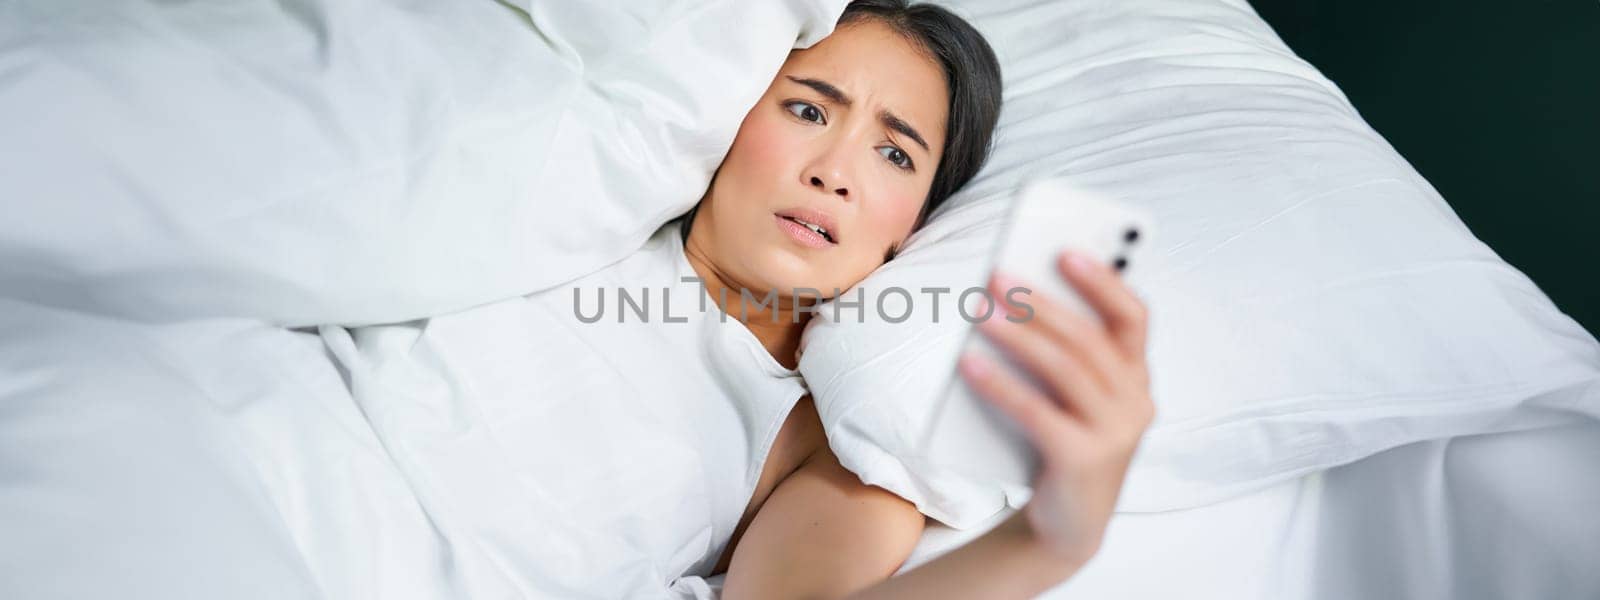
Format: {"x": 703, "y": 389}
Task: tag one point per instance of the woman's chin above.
{"x": 798, "y": 285}
{"x": 793, "y": 274}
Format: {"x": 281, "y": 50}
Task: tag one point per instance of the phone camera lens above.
{"x": 1120, "y": 264}
{"x": 1131, "y": 236}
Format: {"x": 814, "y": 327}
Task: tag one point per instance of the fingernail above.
{"x": 1078, "y": 263}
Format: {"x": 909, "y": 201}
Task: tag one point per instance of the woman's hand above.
{"x": 1090, "y": 409}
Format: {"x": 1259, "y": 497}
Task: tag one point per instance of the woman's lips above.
{"x": 802, "y": 234}
{"x": 811, "y": 216}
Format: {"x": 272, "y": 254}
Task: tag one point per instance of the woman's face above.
{"x": 845, "y": 139}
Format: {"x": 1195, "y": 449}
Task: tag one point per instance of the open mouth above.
{"x": 818, "y": 229}
{"x": 809, "y": 227}
{"x": 805, "y": 232}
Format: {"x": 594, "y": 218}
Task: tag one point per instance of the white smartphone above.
{"x": 968, "y": 435}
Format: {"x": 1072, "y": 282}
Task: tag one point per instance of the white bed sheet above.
{"x": 1513, "y": 515}
{"x": 104, "y": 424}
{"x": 1510, "y": 515}
{"x": 1493, "y": 516}
{"x": 1232, "y": 549}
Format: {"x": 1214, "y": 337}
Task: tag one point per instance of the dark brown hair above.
{"x": 971, "y": 73}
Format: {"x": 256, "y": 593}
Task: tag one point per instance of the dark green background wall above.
{"x": 1497, "y": 103}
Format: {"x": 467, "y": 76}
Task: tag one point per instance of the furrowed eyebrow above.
{"x": 824, "y": 88}
{"x": 839, "y": 97}
{"x": 893, "y": 122}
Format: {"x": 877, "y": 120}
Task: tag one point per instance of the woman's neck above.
{"x": 773, "y": 320}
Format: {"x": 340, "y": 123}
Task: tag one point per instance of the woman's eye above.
{"x": 896, "y": 156}
{"x": 805, "y": 111}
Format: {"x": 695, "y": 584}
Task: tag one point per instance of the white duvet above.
{"x": 359, "y": 161}
{"x": 220, "y": 167}
{"x": 228, "y": 169}
{"x": 506, "y": 451}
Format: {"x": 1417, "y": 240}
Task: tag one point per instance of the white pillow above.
{"x": 1313, "y": 300}
{"x": 360, "y": 161}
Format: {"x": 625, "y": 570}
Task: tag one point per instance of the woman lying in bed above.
{"x": 857, "y": 139}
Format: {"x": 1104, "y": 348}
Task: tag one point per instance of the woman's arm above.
{"x": 1005, "y": 562}
{"x": 825, "y": 534}
{"x": 1085, "y": 419}
{"x": 822, "y": 533}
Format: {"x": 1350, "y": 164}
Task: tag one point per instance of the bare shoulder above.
{"x": 798, "y": 438}
{"x": 823, "y": 532}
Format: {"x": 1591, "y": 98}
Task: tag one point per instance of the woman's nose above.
{"x": 821, "y": 185}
